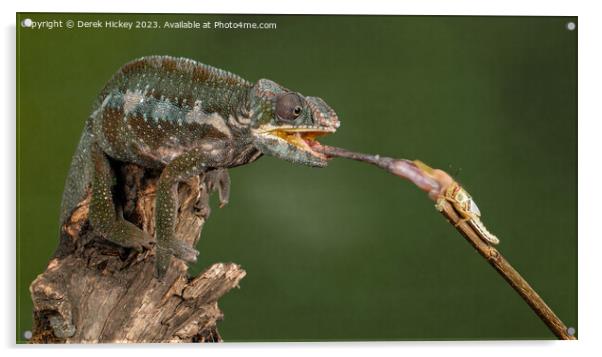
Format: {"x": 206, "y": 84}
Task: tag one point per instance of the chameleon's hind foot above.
{"x": 176, "y": 249}
{"x": 219, "y": 180}
{"x": 128, "y": 235}
{"x": 102, "y": 208}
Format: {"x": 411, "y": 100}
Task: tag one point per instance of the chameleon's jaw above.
{"x": 295, "y": 143}
{"x": 303, "y": 138}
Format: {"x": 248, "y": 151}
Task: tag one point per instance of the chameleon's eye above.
{"x": 289, "y": 106}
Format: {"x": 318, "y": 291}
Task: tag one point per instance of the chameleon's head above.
{"x": 285, "y": 124}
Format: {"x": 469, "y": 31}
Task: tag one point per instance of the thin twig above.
{"x": 518, "y": 283}
{"x": 435, "y": 183}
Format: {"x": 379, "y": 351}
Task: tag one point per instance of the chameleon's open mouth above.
{"x": 303, "y": 138}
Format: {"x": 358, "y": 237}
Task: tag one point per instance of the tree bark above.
{"x": 94, "y": 291}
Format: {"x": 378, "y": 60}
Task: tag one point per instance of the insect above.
{"x": 467, "y": 208}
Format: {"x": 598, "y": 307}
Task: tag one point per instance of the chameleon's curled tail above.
{"x": 80, "y": 174}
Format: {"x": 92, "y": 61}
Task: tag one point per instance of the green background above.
{"x": 349, "y": 252}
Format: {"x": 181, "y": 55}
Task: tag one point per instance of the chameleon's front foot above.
{"x": 176, "y": 249}
{"x": 219, "y": 179}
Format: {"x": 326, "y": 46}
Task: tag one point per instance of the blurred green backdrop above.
{"x": 349, "y": 252}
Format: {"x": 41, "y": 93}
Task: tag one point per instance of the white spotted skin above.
{"x": 184, "y": 118}
{"x": 155, "y": 119}
{"x": 157, "y": 108}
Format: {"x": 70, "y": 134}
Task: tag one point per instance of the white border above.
{"x": 590, "y": 99}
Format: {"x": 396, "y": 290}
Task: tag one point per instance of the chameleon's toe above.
{"x": 140, "y": 239}
{"x": 147, "y": 243}
{"x": 129, "y": 235}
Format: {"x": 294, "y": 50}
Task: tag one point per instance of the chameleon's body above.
{"x": 185, "y": 118}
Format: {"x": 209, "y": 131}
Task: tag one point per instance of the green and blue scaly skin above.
{"x": 185, "y": 118}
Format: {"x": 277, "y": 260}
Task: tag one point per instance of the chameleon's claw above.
{"x": 140, "y": 239}
{"x": 141, "y": 242}
{"x": 147, "y": 243}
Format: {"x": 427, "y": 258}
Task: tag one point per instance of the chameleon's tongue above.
{"x": 409, "y": 170}
{"x": 306, "y": 141}
{"x": 318, "y": 148}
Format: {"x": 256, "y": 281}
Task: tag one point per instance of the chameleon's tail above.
{"x": 80, "y": 174}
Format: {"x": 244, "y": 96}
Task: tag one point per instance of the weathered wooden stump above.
{"x": 94, "y": 291}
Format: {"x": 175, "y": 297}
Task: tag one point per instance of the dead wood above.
{"x": 95, "y": 291}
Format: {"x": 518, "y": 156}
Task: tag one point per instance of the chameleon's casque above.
{"x": 185, "y": 118}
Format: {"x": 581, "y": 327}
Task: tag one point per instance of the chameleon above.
{"x": 184, "y": 118}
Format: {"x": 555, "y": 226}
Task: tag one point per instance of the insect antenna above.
{"x": 454, "y": 173}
